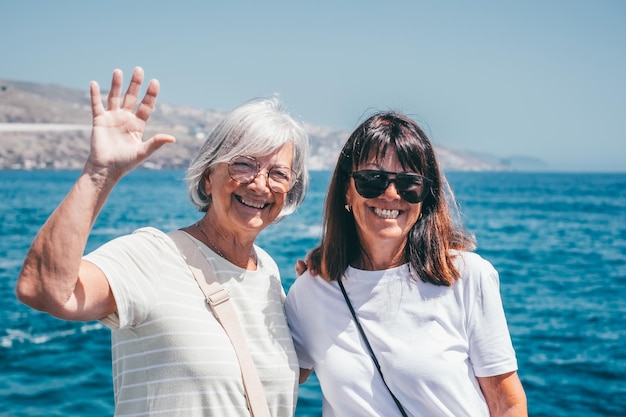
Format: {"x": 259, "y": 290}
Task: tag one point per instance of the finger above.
{"x": 149, "y": 99}
{"x": 300, "y": 267}
{"x": 130, "y": 98}
{"x": 154, "y": 143}
{"x": 113, "y": 102}
{"x": 96, "y": 100}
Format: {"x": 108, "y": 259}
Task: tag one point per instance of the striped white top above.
{"x": 170, "y": 355}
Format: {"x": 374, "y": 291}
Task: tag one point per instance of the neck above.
{"x": 225, "y": 245}
{"x": 368, "y": 264}
{"x": 381, "y": 257}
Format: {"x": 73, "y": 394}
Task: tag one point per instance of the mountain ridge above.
{"x": 45, "y": 126}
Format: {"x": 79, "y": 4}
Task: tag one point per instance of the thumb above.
{"x": 155, "y": 142}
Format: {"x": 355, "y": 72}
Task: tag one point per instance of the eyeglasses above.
{"x": 371, "y": 183}
{"x": 245, "y": 169}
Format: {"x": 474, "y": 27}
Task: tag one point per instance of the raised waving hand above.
{"x": 117, "y": 144}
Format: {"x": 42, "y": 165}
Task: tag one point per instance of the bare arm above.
{"x": 505, "y": 395}
{"x": 54, "y": 278}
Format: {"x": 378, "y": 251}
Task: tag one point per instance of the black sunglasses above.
{"x": 371, "y": 183}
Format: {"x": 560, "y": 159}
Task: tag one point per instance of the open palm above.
{"x": 117, "y": 144}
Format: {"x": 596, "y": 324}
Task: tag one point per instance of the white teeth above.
{"x": 252, "y": 204}
{"x": 386, "y": 214}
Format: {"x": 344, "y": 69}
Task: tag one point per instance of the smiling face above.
{"x": 383, "y": 223}
{"x": 246, "y": 209}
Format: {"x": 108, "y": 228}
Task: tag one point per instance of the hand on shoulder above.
{"x": 307, "y": 265}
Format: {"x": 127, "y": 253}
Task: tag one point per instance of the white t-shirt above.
{"x": 431, "y": 341}
{"x": 170, "y": 355}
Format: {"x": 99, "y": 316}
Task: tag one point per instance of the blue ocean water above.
{"x": 558, "y": 241}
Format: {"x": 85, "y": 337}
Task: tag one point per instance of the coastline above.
{"x": 42, "y": 127}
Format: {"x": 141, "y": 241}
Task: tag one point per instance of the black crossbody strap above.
{"x": 369, "y": 347}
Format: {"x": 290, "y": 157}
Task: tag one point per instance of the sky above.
{"x": 537, "y": 78}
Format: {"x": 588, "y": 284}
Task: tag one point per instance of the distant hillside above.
{"x": 47, "y": 127}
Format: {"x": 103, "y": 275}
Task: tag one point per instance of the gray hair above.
{"x": 258, "y": 128}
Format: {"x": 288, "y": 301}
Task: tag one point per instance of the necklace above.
{"x": 209, "y": 241}
{"x": 214, "y": 247}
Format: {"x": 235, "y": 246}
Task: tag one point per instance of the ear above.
{"x": 347, "y": 196}
{"x": 206, "y": 181}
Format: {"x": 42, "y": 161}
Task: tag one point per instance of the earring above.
{"x": 348, "y": 208}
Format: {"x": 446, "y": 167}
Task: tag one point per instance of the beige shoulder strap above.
{"x": 218, "y": 299}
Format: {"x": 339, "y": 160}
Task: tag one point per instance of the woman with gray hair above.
{"x": 171, "y": 356}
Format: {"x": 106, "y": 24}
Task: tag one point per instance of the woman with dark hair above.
{"x": 403, "y": 319}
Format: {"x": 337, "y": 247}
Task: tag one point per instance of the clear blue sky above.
{"x": 539, "y": 78}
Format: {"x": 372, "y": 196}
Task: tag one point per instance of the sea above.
{"x": 558, "y": 241}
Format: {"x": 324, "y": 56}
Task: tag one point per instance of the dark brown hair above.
{"x": 432, "y": 239}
